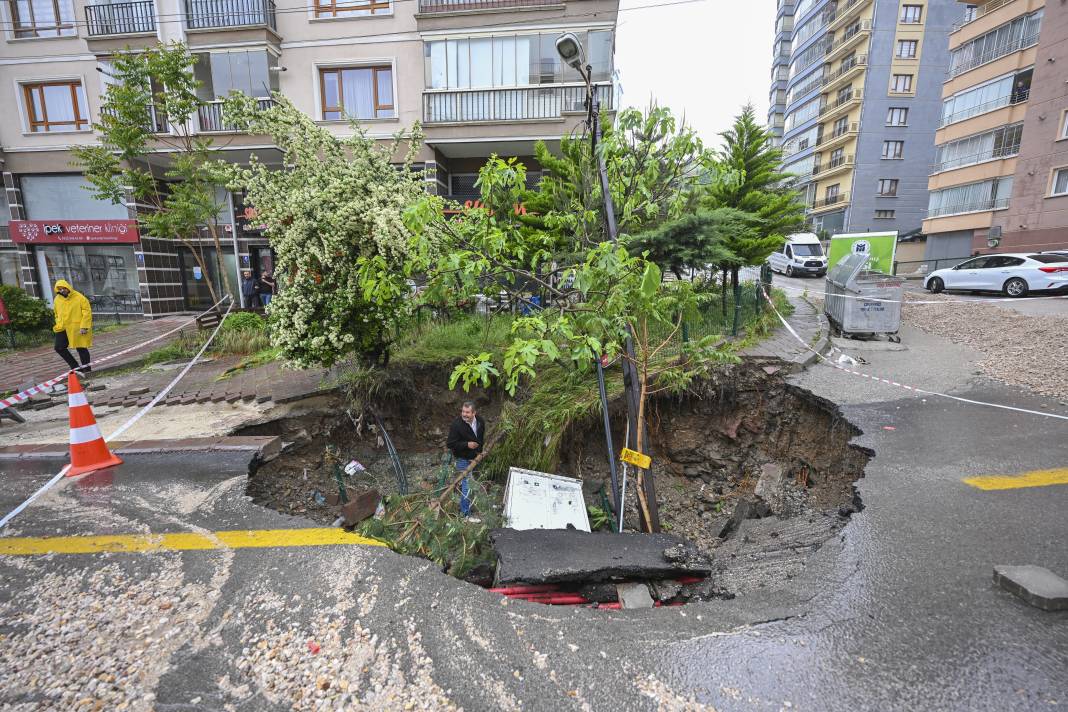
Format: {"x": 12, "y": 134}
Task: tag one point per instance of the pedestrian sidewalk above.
{"x": 810, "y": 323}
{"x": 39, "y": 364}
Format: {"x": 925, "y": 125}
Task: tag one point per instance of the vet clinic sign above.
{"x": 79, "y": 232}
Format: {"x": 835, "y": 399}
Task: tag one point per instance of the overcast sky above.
{"x": 703, "y": 58}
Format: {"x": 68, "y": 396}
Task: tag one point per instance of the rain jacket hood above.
{"x": 73, "y": 313}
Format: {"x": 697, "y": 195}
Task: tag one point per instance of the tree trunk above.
{"x": 723, "y": 291}
{"x": 227, "y": 287}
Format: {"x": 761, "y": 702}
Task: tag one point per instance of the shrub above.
{"x": 244, "y": 321}
{"x": 27, "y": 313}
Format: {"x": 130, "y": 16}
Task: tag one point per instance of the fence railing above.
{"x": 210, "y": 115}
{"x": 852, "y": 95}
{"x": 980, "y": 12}
{"x": 830, "y": 201}
{"x": 521, "y": 104}
{"x": 457, "y": 5}
{"x": 220, "y": 14}
{"x": 1017, "y": 97}
{"x": 121, "y": 18}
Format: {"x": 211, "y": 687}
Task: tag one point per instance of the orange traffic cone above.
{"x": 88, "y": 451}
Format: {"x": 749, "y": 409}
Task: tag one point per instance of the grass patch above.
{"x": 260, "y": 358}
{"x": 184, "y": 347}
{"x": 443, "y": 342}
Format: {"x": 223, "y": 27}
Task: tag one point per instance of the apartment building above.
{"x": 1000, "y": 179}
{"x": 482, "y": 76}
{"x": 861, "y": 106}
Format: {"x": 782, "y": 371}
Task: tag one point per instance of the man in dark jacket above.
{"x": 466, "y": 437}
{"x": 250, "y": 290}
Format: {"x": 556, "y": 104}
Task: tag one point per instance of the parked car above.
{"x": 802, "y": 253}
{"x": 1013, "y": 274}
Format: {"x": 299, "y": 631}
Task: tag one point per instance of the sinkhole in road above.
{"x": 757, "y": 473}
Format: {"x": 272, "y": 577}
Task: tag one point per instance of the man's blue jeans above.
{"x": 465, "y": 492}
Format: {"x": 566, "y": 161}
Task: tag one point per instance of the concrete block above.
{"x": 634, "y": 595}
{"x": 771, "y": 487}
{"x": 1037, "y": 586}
{"x": 361, "y": 507}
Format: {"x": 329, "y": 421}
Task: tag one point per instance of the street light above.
{"x": 570, "y": 50}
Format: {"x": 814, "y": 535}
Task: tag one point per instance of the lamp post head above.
{"x": 570, "y": 50}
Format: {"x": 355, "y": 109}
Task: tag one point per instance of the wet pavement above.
{"x": 899, "y": 613}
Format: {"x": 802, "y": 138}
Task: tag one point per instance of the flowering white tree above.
{"x": 334, "y": 216}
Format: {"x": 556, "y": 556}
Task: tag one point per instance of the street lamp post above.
{"x": 570, "y": 50}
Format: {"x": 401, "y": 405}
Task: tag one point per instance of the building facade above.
{"x": 482, "y": 76}
{"x": 1000, "y": 181}
{"x": 862, "y": 102}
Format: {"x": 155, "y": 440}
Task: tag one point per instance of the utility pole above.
{"x": 570, "y": 50}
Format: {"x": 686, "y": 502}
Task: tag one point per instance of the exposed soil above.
{"x": 711, "y": 448}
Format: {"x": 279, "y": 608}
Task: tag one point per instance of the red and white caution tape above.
{"x": 905, "y": 386}
{"x": 979, "y": 300}
{"x": 44, "y": 385}
{"x": 128, "y": 424}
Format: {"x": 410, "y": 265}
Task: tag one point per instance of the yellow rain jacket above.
{"x": 73, "y": 314}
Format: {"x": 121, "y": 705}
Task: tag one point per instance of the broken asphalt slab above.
{"x": 568, "y": 555}
{"x": 1036, "y": 585}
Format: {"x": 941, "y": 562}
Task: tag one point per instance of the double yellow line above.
{"x": 185, "y": 541}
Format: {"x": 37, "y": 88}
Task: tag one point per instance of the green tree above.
{"x": 335, "y": 217}
{"x": 694, "y": 241}
{"x": 149, "y": 106}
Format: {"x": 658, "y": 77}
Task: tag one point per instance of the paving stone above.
{"x": 138, "y": 391}
{"x": 142, "y": 402}
{"x": 218, "y": 397}
{"x": 262, "y": 398}
{"x": 234, "y": 398}
{"x": 203, "y": 398}
{"x": 1036, "y": 585}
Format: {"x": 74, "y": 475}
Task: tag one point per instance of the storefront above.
{"x": 98, "y": 257}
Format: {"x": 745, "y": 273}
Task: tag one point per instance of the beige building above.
{"x": 482, "y": 76}
{"x": 1000, "y": 179}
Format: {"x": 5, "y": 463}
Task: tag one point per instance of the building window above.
{"x": 1060, "y": 182}
{"x": 897, "y": 116}
{"x": 893, "y": 149}
{"x": 351, "y": 8}
{"x": 911, "y": 14}
{"x": 888, "y": 187}
{"x": 55, "y": 106}
{"x": 42, "y": 18}
{"x": 1064, "y": 125}
{"x": 830, "y": 194}
{"x": 356, "y": 93}
{"x": 901, "y": 84}
{"x": 906, "y": 49}
{"x": 884, "y": 214}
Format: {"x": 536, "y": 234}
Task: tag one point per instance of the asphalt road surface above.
{"x": 898, "y": 614}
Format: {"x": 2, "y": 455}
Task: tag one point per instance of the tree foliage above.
{"x": 335, "y": 218}
{"x": 149, "y": 105}
{"x": 694, "y": 241}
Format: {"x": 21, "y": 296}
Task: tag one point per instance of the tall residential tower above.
{"x": 862, "y": 97}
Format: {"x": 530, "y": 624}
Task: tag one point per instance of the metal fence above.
{"x": 120, "y": 18}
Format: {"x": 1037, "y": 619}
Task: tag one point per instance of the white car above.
{"x": 1013, "y": 274}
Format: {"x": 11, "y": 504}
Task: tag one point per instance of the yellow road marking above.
{"x": 133, "y": 543}
{"x": 1036, "y": 478}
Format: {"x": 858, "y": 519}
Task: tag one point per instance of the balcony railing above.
{"x": 805, "y": 88}
{"x": 976, "y": 206}
{"x": 1017, "y": 97}
{"x": 210, "y": 116}
{"x": 980, "y": 12}
{"x": 830, "y": 201}
{"x": 843, "y": 11}
{"x": 459, "y": 5}
{"x": 121, "y": 18}
{"x": 837, "y": 133}
{"x": 832, "y": 165}
{"x": 223, "y": 14}
{"x": 845, "y": 68}
{"x": 851, "y": 33}
{"x": 850, "y": 96}
{"x": 521, "y": 104}
{"x": 155, "y": 120}
{"x": 971, "y": 160}
{"x": 990, "y": 55}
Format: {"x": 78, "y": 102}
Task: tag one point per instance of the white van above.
{"x": 801, "y": 254}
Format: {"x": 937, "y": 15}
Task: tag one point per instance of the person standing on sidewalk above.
{"x": 74, "y": 325}
{"x": 250, "y": 289}
{"x": 466, "y": 437}
{"x": 266, "y": 287}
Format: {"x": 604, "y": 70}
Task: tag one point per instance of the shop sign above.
{"x": 77, "y": 232}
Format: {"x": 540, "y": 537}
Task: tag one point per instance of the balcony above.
{"x": 1001, "y": 50}
{"x": 981, "y": 11}
{"x": 432, "y": 6}
{"x": 978, "y": 206}
{"x": 551, "y": 101}
{"x": 846, "y": 71}
{"x": 841, "y": 104}
{"x": 852, "y": 35}
{"x": 210, "y": 116}
{"x": 831, "y": 202}
{"x": 839, "y": 135}
{"x": 229, "y": 14}
{"x": 845, "y": 11}
{"x": 992, "y": 154}
{"x": 123, "y": 18}
{"x": 835, "y": 165}
{"x": 1017, "y": 97}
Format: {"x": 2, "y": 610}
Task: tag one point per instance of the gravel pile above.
{"x": 1018, "y": 349}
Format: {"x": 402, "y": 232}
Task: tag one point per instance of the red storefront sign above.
{"x": 76, "y": 232}
{"x": 4, "y": 319}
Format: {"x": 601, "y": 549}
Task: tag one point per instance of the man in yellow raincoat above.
{"x": 74, "y": 324}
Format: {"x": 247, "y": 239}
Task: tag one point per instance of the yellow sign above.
{"x": 635, "y": 458}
